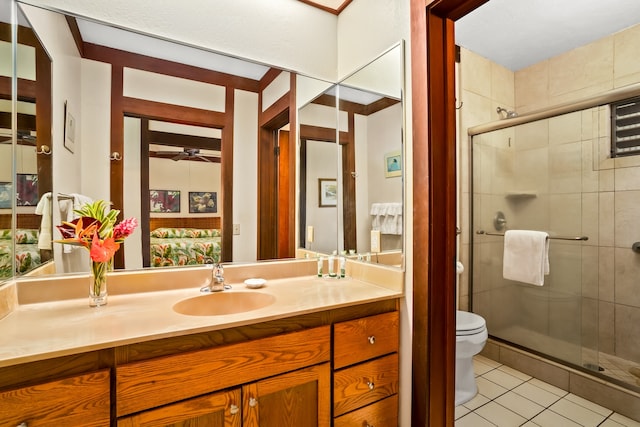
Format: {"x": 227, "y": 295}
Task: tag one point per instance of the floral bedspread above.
{"x": 26, "y": 250}
{"x": 184, "y": 246}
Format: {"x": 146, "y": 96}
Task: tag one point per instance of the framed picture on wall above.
{"x": 69, "y": 137}
{"x": 6, "y": 195}
{"x": 327, "y": 192}
{"x": 27, "y": 193}
{"x": 392, "y": 164}
{"x": 164, "y": 201}
{"x": 203, "y": 202}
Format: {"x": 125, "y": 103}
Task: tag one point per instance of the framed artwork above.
{"x": 327, "y": 192}
{"x": 164, "y": 201}
{"x": 27, "y": 194}
{"x": 392, "y": 164}
{"x": 203, "y": 202}
{"x": 69, "y": 136}
{"x": 6, "y": 195}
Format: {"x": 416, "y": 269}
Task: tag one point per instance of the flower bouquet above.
{"x": 96, "y": 230}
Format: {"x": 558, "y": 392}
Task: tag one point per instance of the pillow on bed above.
{"x": 26, "y": 236}
{"x": 200, "y": 233}
{"x": 168, "y": 233}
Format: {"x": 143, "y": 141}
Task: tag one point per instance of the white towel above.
{"x": 44, "y": 208}
{"x": 526, "y": 256}
{"x": 387, "y": 217}
{"x": 79, "y": 200}
{"x": 67, "y": 208}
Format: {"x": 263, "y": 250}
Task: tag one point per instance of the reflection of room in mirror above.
{"x": 369, "y": 125}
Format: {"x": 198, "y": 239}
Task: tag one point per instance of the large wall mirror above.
{"x": 187, "y": 139}
{"x": 360, "y": 182}
{"x": 25, "y": 171}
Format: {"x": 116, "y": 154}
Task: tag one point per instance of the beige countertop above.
{"x": 42, "y": 330}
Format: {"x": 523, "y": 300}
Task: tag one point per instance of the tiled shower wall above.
{"x": 576, "y": 156}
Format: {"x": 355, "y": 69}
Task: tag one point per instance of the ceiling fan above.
{"x": 186, "y": 154}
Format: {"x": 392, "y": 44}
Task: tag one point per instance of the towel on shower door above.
{"x": 526, "y": 256}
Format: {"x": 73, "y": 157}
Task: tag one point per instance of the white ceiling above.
{"x": 519, "y": 33}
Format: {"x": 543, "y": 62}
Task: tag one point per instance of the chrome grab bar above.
{"x": 551, "y": 237}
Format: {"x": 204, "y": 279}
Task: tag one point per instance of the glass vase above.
{"x": 98, "y": 283}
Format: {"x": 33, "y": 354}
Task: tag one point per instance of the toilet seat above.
{"x": 469, "y": 323}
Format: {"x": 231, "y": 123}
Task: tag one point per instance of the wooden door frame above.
{"x": 434, "y": 208}
{"x": 275, "y": 220}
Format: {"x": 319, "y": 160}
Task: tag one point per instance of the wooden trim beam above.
{"x": 179, "y": 114}
{"x": 116, "y": 180}
{"x": 227, "y": 176}
{"x": 154, "y": 65}
{"x": 186, "y": 141}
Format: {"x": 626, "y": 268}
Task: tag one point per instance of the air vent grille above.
{"x": 625, "y": 127}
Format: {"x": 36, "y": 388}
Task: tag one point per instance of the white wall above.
{"x": 66, "y": 73}
{"x": 322, "y": 162}
{"x": 245, "y": 175}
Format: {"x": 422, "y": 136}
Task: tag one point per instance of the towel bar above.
{"x": 551, "y": 237}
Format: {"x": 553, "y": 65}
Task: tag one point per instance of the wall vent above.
{"x": 625, "y": 127}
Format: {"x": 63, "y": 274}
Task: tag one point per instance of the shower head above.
{"x": 507, "y": 114}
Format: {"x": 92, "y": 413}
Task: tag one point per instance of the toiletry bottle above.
{"x": 319, "y": 266}
{"x": 342, "y": 261}
{"x": 332, "y": 265}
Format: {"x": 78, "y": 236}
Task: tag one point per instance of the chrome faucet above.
{"x": 217, "y": 280}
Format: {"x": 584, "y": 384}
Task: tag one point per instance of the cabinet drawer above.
{"x": 362, "y": 384}
{"x": 150, "y": 383}
{"x": 383, "y": 413}
{"x": 363, "y": 339}
{"x": 79, "y": 400}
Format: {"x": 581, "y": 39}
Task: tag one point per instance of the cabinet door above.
{"x": 220, "y": 409}
{"x": 301, "y": 398}
{"x": 74, "y": 401}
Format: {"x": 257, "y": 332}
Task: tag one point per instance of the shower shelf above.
{"x": 520, "y": 195}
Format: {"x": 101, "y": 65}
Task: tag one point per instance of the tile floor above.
{"x": 507, "y": 397}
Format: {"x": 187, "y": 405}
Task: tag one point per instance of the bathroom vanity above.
{"x": 323, "y": 347}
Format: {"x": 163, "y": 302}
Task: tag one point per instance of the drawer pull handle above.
{"x": 233, "y": 409}
{"x": 372, "y": 339}
{"x": 253, "y": 402}
{"x": 371, "y": 385}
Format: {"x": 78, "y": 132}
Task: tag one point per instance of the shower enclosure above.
{"x": 553, "y": 172}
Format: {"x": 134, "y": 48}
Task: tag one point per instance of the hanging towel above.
{"x": 79, "y": 200}
{"x": 526, "y": 256}
{"x": 387, "y": 217}
{"x": 67, "y": 207}
{"x": 44, "y": 208}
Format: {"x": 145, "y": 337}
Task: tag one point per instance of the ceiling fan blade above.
{"x": 180, "y": 156}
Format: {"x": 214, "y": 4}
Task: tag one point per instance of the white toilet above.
{"x": 471, "y": 336}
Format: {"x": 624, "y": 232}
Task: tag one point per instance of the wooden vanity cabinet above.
{"x": 274, "y": 381}
{"x": 73, "y": 401}
{"x": 365, "y": 377}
